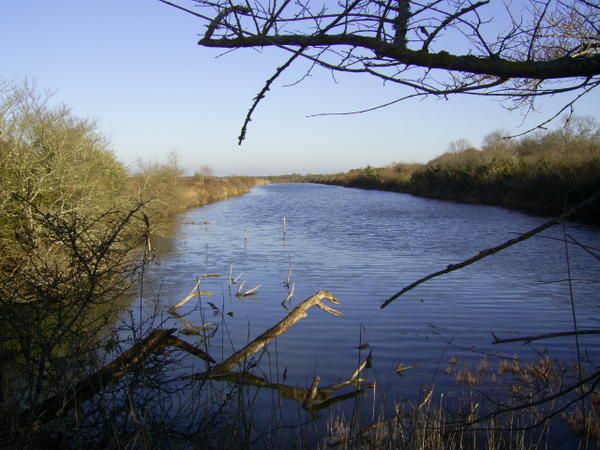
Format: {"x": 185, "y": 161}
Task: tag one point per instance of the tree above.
{"x": 459, "y": 145}
{"x": 205, "y": 171}
{"x": 513, "y": 50}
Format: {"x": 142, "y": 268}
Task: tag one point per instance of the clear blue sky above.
{"x": 135, "y": 67}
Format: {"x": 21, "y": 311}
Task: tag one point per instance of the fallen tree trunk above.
{"x": 59, "y": 405}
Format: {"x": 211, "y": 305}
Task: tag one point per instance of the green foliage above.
{"x": 370, "y": 174}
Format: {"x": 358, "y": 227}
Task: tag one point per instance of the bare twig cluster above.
{"x": 513, "y": 50}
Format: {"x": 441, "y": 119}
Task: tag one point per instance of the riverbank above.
{"x": 545, "y": 173}
{"x": 200, "y": 190}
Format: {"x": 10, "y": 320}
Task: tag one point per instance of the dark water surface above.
{"x": 363, "y": 246}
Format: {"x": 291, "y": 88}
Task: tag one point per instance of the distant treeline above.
{"x": 543, "y": 173}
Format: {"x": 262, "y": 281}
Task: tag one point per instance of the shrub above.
{"x": 69, "y": 233}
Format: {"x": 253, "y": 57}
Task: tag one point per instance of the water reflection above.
{"x": 363, "y": 246}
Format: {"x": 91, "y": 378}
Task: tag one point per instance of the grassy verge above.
{"x": 201, "y": 190}
{"x": 544, "y": 173}
{"x": 166, "y": 191}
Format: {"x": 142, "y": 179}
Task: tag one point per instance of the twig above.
{"x": 490, "y": 251}
{"x": 539, "y": 337}
{"x": 574, "y": 316}
{"x": 593, "y": 377}
{"x": 264, "y": 90}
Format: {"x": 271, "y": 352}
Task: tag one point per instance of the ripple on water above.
{"x": 363, "y": 246}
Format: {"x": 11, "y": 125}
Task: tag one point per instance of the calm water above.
{"x": 363, "y": 246}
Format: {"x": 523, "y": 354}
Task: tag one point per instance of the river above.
{"x": 363, "y": 246}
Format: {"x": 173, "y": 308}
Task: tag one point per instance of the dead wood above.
{"x": 296, "y": 314}
{"x": 174, "y": 341}
{"x": 312, "y": 399}
{"x": 159, "y": 340}
{"x": 59, "y": 405}
{"x": 195, "y": 292}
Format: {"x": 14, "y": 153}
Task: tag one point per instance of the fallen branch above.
{"x": 490, "y": 251}
{"x": 58, "y": 405}
{"x": 248, "y": 293}
{"x": 156, "y": 342}
{"x": 191, "y": 329}
{"x": 174, "y": 341}
{"x": 312, "y": 399}
{"x": 195, "y": 292}
{"x": 298, "y": 313}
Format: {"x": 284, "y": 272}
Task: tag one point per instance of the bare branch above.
{"x": 298, "y": 313}
{"x": 490, "y": 251}
{"x": 548, "y": 47}
{"x": 558, "y": 68}
{"x": 528, "y": 339}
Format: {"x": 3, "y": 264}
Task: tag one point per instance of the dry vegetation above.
{"x": 74, "y": 234}
{"x": 74, "y": 231}
{"x": 543, "y": 173}
{"x": 504, "y": 403}
{"x": 164, "y": 188}
{"x": 199, "y": 190}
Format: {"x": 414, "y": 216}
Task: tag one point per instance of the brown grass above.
{"x": 201, "y": 190}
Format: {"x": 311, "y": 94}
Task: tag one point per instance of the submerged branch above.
{"x": 195, "y": 292}
{"x": 312, "y": 399}
{"x": 59, "y": 405}
{"x": 528, "y": 339}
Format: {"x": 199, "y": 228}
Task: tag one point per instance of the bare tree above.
{"x": 205, "y": 171}
{"x": 513, "y": 50}
{"x": 459, "y": 145}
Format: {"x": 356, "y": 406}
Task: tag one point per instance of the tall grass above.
{"x": 198, "y": 190}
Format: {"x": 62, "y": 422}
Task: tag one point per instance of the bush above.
{"x": 69, "y": 233}
{"x": 544, "y": 172}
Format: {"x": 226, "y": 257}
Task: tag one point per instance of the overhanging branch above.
{"x": 560, "y": 68}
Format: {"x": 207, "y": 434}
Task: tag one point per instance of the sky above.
{"x": 135, "y": 67}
